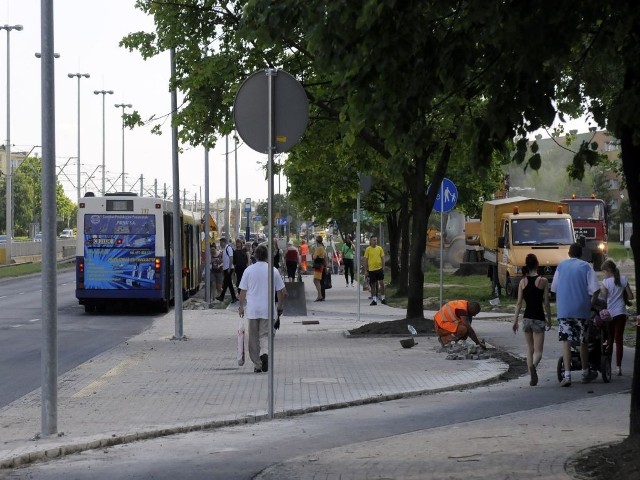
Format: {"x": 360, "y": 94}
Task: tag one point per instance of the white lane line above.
{"x": 34, "y": 320}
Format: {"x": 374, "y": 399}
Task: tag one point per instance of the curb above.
{"x": 50, "y": 453}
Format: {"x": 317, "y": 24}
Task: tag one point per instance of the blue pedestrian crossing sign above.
{"x": 447, "y": 196}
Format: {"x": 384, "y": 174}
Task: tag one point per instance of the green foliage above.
{"x": 27, "y": 198}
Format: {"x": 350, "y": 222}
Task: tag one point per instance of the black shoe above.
{"x": 373, "y": 303}
{"x": 234, "y": 300}
{"x": 383, "y": 301}
{"x": 264, "y": 358}
{"x": 220, "y": 298}
{"x": 257, "y": 370}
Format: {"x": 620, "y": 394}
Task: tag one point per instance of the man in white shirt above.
{"x": 254, "y": 302}
{"x": 227, "y": 269}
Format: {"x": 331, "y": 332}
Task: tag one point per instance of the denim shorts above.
{"x": 533, "y": 325}
{"x": 572, "y": 330}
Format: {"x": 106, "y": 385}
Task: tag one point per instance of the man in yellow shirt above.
{"x": 374, "y": 266}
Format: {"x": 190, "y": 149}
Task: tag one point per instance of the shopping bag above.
{"x": 241, "y": 332}
{"x": 326, "y": 279}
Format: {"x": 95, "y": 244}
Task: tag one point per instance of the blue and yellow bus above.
{"x": 124, "y": 251}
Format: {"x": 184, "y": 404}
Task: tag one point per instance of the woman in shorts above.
{"x": 534, "y": 290}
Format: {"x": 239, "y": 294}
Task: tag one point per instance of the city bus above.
{"x": 124, "y": 251}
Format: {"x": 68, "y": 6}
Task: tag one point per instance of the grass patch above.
{"x": 20, "y": 269}
{"x": 617, "y": 252}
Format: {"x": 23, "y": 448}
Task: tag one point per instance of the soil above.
{"x": 613, "y": 461}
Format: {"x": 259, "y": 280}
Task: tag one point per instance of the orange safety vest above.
{"x": 446, "y": 317}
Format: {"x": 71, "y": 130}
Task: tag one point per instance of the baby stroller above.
{"x": 599, "y": 357}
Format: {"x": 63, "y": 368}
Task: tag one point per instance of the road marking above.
{"x": 93, "y": 387}
{"x": 34, "y": 320}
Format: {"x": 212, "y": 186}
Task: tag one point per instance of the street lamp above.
{"x": 123, "y": 106}
{"x": 79, "y": 76}
{"x": 9, "y": 187}
{"x": 104, "y": 94}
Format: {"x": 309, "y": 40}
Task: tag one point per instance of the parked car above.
{"x": 67, "y": 233}
{"x": 38, "y": 237}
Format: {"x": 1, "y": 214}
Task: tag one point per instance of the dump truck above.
{"x": 512, "y": 228}
{"x": 589, "y": 215}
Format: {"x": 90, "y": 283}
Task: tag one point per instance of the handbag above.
{"x": 326, "y": 279}
{"x": 625, "y": 297}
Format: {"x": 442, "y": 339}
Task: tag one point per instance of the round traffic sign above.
{"x": 290, "y": 111}
{"x": 447, "y": 196}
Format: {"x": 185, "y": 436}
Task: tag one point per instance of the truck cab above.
{"x": 589, "y": 217}
{"x": 515, "y": 227}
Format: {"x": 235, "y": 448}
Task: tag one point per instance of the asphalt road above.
{"x": 81, "y": 336}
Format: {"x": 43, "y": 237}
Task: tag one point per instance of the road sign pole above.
{"x": 441, "y": 239}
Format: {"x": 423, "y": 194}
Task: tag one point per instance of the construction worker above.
{"x": 453, "y": 322}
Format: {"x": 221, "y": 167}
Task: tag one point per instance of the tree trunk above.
{"x": 631, "y": 165}
{"x": 405, "y": 219}
{"x": 422, "y": 205}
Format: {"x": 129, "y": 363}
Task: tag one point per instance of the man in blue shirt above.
{"x": 574, "y": 284}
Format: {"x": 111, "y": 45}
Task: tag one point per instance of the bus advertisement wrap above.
{"x": 119, "y": 252}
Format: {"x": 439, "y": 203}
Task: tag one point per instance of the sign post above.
{"x": 271, "y": 111}
{"x": 446, "y": 200}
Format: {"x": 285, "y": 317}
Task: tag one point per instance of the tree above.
{"x": 27, "y": 197}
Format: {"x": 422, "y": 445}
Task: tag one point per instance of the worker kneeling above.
{"x": 453, "y": 322}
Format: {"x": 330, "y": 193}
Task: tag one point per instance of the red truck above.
{"x": 589, "y": 217}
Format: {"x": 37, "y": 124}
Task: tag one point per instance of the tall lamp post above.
{"x": 104, "y": 94}
{"x": 78, "y": 76}
{"x": 123, "y": 106}
{"x": 9, "y": 187}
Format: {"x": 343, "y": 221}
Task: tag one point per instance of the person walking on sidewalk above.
{"x": 374, "y": 266}
{"x": 574, "y": 283}
{"x": 227, "y": 269}
{"x": 534, "y": 290}
{"x": 348, "y": 249}
{"x": 612, "y": 290}
{"x": 453, "y": 322}
{"x": 304, "y": 251}
{"x": 319, "y": 264}
{"x": 291, "y": 260}
{"x": 240, "y": 260}
{"x": 254, "y": 304}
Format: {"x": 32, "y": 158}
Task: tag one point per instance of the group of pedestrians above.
{"x": 224, "y": 263}
{"x": 577, "y": 290}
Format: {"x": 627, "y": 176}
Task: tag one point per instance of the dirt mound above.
{"x": 395, "y": 327}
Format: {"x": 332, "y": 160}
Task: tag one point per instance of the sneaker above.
{"x": 373, "y": 303}
{"x": 257, "y": 370}
{"x": 589, "y": 377}
{"x": 234, "y": 300}
{"x": 534, "y": 376}
{"x": 566, "y": 382}
{"x": 383, "y": 301}
{"x": 619, "y": 371}
{"x": 264, "y": 358}
{"x": 220, "y": 299}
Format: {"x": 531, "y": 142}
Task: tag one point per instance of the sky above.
{"x": 86, "y": 35}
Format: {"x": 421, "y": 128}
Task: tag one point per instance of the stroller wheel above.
{"x": 605, "y": 368}
{"x": 560, "y": 370}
